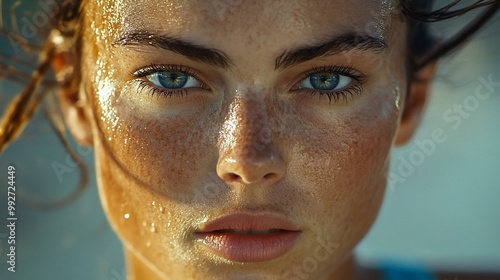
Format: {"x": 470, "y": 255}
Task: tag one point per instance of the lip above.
{"x": 249, "y": 237}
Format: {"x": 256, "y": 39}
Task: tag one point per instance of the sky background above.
{"x": 443, "y": 211}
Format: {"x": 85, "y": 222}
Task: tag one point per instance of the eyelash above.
{"x": 345, "y": 93}
{"x": 155, "y": 68}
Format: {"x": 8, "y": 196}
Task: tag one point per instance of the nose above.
{"x": 248, "y": 155}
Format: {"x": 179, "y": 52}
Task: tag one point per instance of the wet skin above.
{"x": 250, "y": 136}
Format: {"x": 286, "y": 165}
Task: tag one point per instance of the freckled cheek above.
{"x": 344, "y": 171}
{"x": 343, "y": 166}
{"x": 363, "y": 174}
{"x": 367, "y": 159}
{"x": 163, "y": 154}
{"x": 155, "y": 160}
{"x": 346, "y": 154}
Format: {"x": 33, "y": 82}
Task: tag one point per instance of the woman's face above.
{"x": 269, "y": 110}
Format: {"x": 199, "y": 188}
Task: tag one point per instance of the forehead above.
{"x": 222, "y": 22}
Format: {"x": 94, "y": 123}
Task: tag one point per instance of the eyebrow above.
{"x": 187, "y": 49}
{"x": 218, "y": 58}
{"x": 336, "y": 45}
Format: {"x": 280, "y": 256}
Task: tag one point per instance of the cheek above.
{"x": 164, "y": 153}
{"x": 148, "y": 194}
{"x": 342, "y": 161}
{"x": 147, "y": 224}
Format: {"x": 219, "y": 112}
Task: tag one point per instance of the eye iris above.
{"x": 324, "y": 81}
{"x": 172, "y": 79}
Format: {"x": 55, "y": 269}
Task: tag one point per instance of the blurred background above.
{"x": 442, "y": 207}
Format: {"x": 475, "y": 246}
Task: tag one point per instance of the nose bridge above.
{"x": 246, "y": 132}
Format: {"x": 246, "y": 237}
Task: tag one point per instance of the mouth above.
{"x": 248, "y": 237}
{"x": 258, "y": 232}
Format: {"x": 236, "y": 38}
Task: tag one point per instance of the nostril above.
{"x": 232, "y": 177}
{"x": 270, "y": 176}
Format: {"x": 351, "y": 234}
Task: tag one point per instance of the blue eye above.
{"x": 326, "y": 81}
{"x": 169, "y": 80}
{"x": 173, "y": 80}
{"x": 335, "y": 82}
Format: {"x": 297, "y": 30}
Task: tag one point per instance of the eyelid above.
{"x": 156, "y": 68}
{"x": 348, "y": 71}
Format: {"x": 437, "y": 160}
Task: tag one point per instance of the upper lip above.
{"x": 249, "y": 222}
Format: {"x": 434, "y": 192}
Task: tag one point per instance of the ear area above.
{"x": 415, "y": 104}
{"x": 72, "y": 102}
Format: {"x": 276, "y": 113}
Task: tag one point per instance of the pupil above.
{"x": 172, "y": 79}
{"x": 324, "y": 81}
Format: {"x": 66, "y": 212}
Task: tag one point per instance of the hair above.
{"x": 66, "y": 26}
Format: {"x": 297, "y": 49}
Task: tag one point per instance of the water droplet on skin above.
{"x": 152, "y": 228}
{"x": 148, "y": 244}
{"x": 144, "y": 223}
{"x": 153, "y": 203}
{"x": 162, "y": 209}
{"x": 126, "y": 216}
{"x": 398, "y": 97}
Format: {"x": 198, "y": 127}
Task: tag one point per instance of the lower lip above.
{"x": 249, "y": 247}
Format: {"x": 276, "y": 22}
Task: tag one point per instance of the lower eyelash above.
{"x": 344, "y": 94}
{"x": 158, "y": 91}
